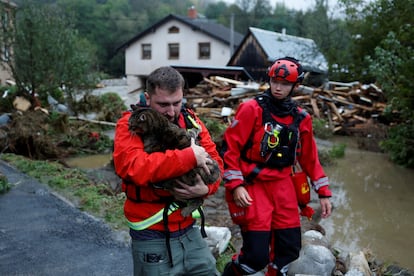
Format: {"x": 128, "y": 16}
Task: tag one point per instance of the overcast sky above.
{"x": 295, "y": 4}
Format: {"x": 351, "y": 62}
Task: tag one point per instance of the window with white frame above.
{"x": 204, "y": 50}
{"x": 173, "y": 51}
{"x": 146, "y": 51}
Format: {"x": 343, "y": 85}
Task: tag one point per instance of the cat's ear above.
{"x": 134, "y": 107}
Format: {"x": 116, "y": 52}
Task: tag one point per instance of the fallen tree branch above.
{"x": 93, "y": 121}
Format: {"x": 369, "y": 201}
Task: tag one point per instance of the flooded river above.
{"x": 373, "y": 204}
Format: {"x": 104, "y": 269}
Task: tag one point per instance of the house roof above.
{"x": 277, "y": 45}
{"x": 205, "y": 26}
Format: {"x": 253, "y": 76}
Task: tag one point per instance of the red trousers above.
{"x": 270, "y": 226}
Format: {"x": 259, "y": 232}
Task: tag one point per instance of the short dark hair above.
{"x": 166, "y": 78}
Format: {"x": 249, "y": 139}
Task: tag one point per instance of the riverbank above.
{"x": 372, "y": 205}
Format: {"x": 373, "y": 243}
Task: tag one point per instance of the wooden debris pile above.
{"x": 345, "y": 106}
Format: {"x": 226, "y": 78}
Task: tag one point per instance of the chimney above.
{"x": 192, "y": 12}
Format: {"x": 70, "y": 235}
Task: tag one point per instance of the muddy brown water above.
{"x": 373, "y": 204}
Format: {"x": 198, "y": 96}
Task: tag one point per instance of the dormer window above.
{"x": 173, "y": 30}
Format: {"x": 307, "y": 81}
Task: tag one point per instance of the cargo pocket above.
{"x": 237, "y": 214}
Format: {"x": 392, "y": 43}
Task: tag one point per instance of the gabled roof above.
{"x": 277, "y": 45}
{"x": 205, "y": 26}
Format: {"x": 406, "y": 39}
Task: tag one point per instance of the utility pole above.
{"x": 231, "y": 34}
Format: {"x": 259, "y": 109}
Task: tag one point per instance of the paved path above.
{"x": 40, "y": 234}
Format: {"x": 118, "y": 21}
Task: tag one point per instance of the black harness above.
{"x": 280, "y": 142}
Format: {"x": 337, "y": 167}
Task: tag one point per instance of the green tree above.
{"x": 217, "y": 11}
{"x": 262, "y": 9}
{"x": 382, "y": 52}
{"x": 371, "y": 25}
{"x": 47, "y": 53}
{"x": 393, "y": 66}
{"x": 330, "y": 34}
{"x": 282, "y": 19}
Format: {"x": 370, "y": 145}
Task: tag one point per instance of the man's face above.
{"x": 166, "y": 103}
{"x": 280, "y": 88}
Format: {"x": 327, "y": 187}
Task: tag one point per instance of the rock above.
{"x": 4, "y": 119}
{"x": 357, "y": 264}
{"x": 314, "y": 237}
{"x": 313, "y": 260}
{"x": 51, "y": 101}
{"x": 218, "y": 238}
{"x": 21, "y": 104}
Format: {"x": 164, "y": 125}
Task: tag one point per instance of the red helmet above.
{"x": 287, "y": 69}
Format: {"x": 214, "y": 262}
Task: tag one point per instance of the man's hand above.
{"x": 241, "y": 197}
{"x": 186, "y": 191}
{"x": 201, "y": 156}
{"x": 326, "y": 207}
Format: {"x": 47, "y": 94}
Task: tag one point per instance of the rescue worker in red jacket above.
{"x": 152, "y": 222}
{"x": 268, "y": 134}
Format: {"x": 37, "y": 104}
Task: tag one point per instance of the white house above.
{"x": 178, "y": 40}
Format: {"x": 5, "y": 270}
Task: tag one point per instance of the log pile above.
{"x": 345, "y": 106}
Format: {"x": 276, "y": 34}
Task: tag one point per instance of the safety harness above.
{"x": 280, "y": 142}
{"x": 132, "y": 192}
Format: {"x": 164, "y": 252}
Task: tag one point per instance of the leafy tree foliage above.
{"x": 371, "y": 26}
{"x": 47, "y": 53}
{"x": 330, "y": 34}
{"x": 382, "y": 51}
{"x": 392, "y": 65}
{"x": 281, "y": 20}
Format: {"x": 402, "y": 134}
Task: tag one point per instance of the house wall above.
{"x": 137, "y": 69}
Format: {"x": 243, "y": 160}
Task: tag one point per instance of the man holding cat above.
{"x": 163, "y": 240}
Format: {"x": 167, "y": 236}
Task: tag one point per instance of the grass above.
{"x": 4, "y": 184}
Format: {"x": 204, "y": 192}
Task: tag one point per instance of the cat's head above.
{"x": 145, "y": 121}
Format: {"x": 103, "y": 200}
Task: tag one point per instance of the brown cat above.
{"x": 159, "y": 135}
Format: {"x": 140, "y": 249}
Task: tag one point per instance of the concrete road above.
{"x": 41, "y": 234}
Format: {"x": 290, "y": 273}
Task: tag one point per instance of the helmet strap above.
{"x": 291, "y": 89}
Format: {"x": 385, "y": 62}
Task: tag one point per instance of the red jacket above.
{"x": 134, "y": 164}
{"x": 248, "y": 125}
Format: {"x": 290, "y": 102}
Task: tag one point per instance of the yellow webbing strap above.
{"x": 157, "y": 217}
{"x": 195, "y": 124}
